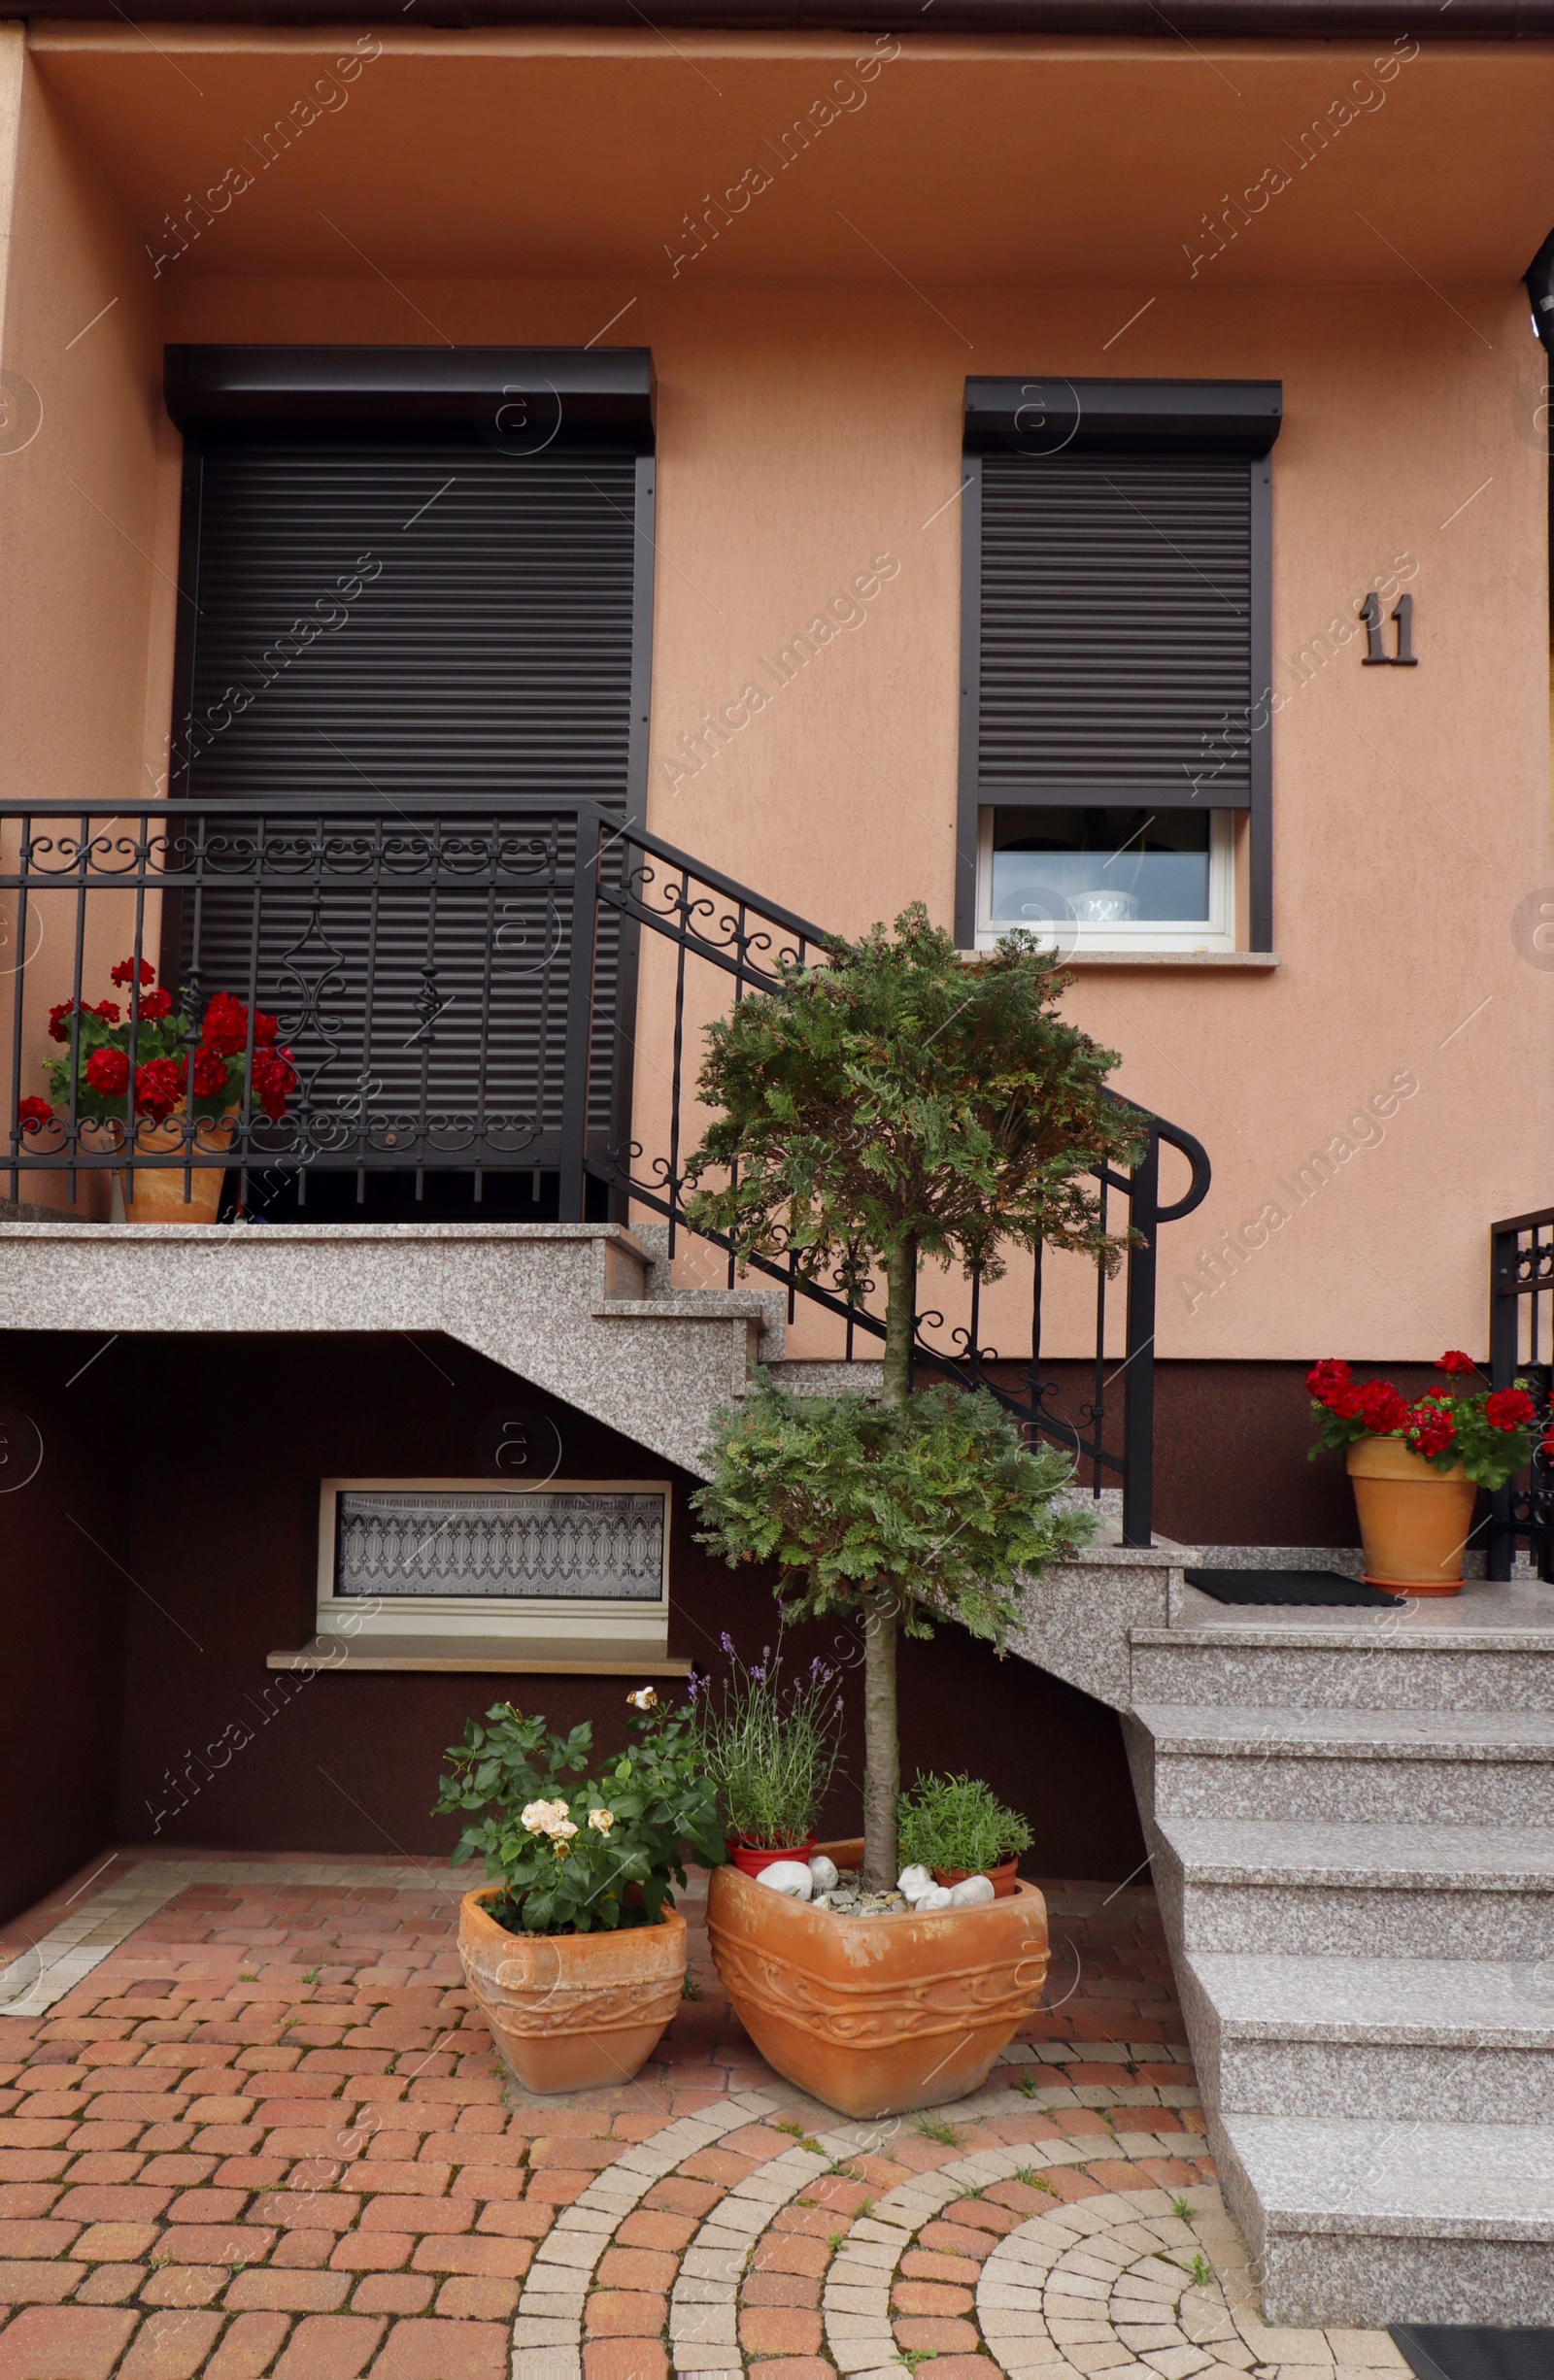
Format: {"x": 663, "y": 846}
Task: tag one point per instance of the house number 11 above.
{"x": 1405, "y": 656}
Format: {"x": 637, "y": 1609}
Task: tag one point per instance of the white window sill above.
{"x": 1255, "y": 962}
{"x": 535, "y": 1656}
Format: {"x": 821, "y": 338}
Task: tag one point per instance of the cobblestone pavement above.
{"x": 250, "y": 2126}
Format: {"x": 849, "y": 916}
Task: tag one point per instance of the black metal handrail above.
{"x": 458, "y": 989}
{"x": 1521, "y": 1347}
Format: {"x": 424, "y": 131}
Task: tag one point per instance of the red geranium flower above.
{"x": 1381, "y": 1409}
{"x": 265, "y": 1029}
{"x": 1508, "y": 1409}
{"x": 107, "y": 1010}
{"x": 1454, "y": 1361}
{"x": 275, "y": 1079}
{"x": 226, "y": 1027}
{"x": 33, "y": 1114}
{"x": 59, "y": 1030}
{"x": 125, "y": 972}
{"x": 211, "y": 1074}
{"x": 1432, "y": 1433}
{"x": 1324, "y": 1380}
{"x": 108, "y": 1072}
{"x": 159, "y": 1087}
{"x": 156, "y": 1004}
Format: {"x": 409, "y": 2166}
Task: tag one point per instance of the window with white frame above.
{"x": 1115, "y": 764}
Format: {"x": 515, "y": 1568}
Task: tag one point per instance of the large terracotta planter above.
{"x": 574, "y": 2011}
{"x": 877, "y": 2015}
{"x": 158, "y": 1193}
{"x": 1414, "y": 1521}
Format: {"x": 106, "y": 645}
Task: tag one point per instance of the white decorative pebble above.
{"x": 788, "y": 1876}
{"x": 971, "y": 1890}
{"x": 824, "y": 1873}
{"x": 913, "y": 1882}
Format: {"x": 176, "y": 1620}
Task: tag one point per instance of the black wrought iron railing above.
{"x": 1521, "y": 1347}
{"x": 496, "y": 990}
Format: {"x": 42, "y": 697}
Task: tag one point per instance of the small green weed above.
{"x": 935, "y": 2127}
{"x": 690, "y": 1984}
{"x": 1181, "y": 2210}
{"x": 1033, "y": 2180}
{"x": 1200, "y": 2270}
{"x": 1028, "y": 2084}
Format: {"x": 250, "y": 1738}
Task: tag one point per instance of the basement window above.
{"x": 576, "y": 1565}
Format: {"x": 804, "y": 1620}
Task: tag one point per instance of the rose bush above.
{"x": 601, "y": 1855}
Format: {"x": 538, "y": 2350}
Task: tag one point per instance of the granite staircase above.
{"x": 1351, "y": 1817}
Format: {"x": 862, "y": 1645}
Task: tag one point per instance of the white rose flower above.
{"x": 536, "y": 1817}
{"x": 601, "y": 1821}
{"x": 561, "y": 1828}
{"x": 644, "y": 1699}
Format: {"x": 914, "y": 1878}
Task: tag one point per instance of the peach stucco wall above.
{"x": 809, "y": 429}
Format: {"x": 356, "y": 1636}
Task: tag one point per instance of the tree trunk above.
{"x": 882, "y": 1772}
{"x": 882, "y": 1754}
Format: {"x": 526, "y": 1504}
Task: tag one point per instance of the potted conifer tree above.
{"x": 896, "y": 1102}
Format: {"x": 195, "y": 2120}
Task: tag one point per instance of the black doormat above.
{"x": 1444, "y": 2354}
{"x": 1289, "y": 1587}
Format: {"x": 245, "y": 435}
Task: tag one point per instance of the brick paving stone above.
{"x": 109, "y": 2284}
{"x": 170, "y": 2347}
{"x": 473, "y": 2299}
{"x": 183, "y": 2284}
{"x": 930, "y": 2297}
{"x": 938, "y": 2337}
{"x": 290, "y": 2292}
{"x": 328, "y": 2347}
{"x": 64, "y": 2342}
{"x": 614, "y": 2313}
{"x": 442, "y": 2350}
{"x": 44, "y": 2283}
{"x": 638, "y": 2268}
{"x": 779, "y": 2330}
{"x": 634, "y": 2359}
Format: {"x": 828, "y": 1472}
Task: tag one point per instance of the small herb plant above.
{"x": 769, "y": 1748}
{"x": 958, "y": 1822}
{"x": 600, "y": 1855}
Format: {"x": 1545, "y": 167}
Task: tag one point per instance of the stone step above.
{"x": 1405, "y": 1767}
{"x": 1466, "y": 2041}
{"x": 1353, "y": 1891}
{"x": 1365, "y": 2223}
{"x": 1377, "y": 1662}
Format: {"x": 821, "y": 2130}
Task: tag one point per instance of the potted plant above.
{"x": 147, "y": 1079}
{"x": 956, "y": 1828}
{"x": 899, "y": 1101}
{"x": 1417, "y": 1467}
{"x": 768, "y": 1751}
{"x": 575, "y": 1951}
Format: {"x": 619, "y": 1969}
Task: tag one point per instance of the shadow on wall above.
{"x": 168, "y": 1542}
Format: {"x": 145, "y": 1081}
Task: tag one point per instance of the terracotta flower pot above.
{"x": 1003, "y": 1878}
{"x": 877, "y": 2015}
{"x": 573, "y": 2011}
{"x": 1414, "y": 1521}
{"x": 160, "y": 1192}
{"x": 751, "y": 1858}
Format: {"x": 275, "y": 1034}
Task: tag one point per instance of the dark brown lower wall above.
{"x": 169, "y": 1542}
{"x": 1232, "y": 1465}
{"x": 62, "y": 1529}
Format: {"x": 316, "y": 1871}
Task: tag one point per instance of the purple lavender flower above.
{"x": 726, "y": 1641}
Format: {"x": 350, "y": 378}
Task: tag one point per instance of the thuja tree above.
{"x": 896, "y": 1102}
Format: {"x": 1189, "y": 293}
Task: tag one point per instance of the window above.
{"x": 579, "y": 1562}
{"x": 1114, "y": 753}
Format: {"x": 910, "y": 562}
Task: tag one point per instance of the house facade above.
{"x": 520, "y": 519}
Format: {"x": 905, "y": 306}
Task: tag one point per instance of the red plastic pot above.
{"x": 751, "y": 1858}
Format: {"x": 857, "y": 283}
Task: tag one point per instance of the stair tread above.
{"x": 1400, "y": 2179}
{"x": 1324, "y": 1731}
{"x": 1466, "y": 2003}
{"x": 1269, "y": 1851}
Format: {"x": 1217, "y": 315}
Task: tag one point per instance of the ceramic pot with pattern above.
{"x": 877, "y": 2015}
{"x": 573, "y": 2011}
